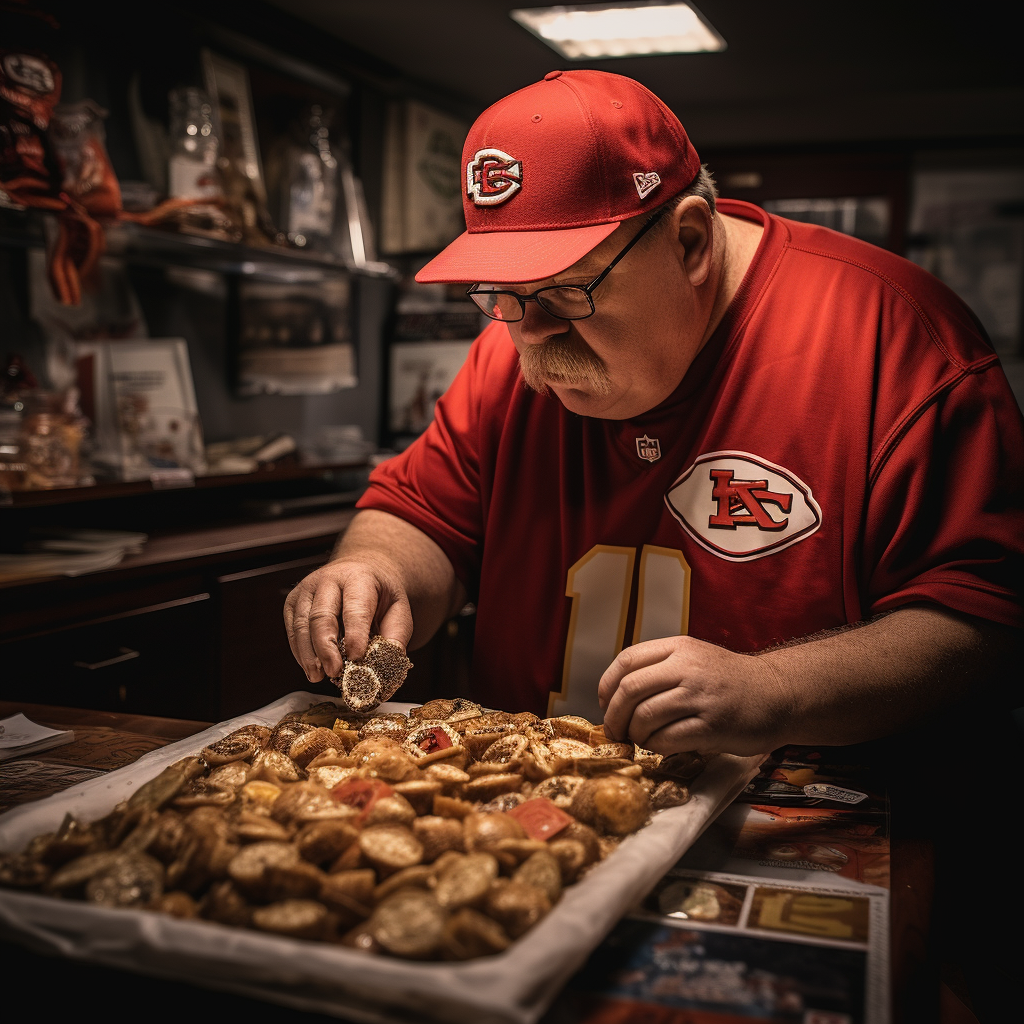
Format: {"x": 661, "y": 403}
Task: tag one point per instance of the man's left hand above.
{"x": 679, "y": 693}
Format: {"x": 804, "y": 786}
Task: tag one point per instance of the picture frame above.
{"x": 140, "y": 398}
{"x": 420, "y": 372}
{"x": 422, "y": 179}
{"x": 227, "y": 83}
{"x": 295, "y": 337}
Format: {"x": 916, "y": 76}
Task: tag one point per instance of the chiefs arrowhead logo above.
{"x": 740, "y": 507}
{"x": 492, "y": 177}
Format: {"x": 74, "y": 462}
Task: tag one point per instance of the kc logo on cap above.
{"x": 493, "y": 177}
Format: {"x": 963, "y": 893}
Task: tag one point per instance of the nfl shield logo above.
{"x": 648, "y": 448}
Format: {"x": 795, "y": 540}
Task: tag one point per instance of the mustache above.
{"x": 565, "y": 360}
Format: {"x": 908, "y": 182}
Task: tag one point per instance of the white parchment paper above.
{"x": 514, "y": 987}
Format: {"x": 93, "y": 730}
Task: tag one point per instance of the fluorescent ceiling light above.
{"x": 624, "y": 29}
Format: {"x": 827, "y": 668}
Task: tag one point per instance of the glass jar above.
{"x": 49, "y": 448}
{"x": 310, "y": 183}
{"x": 192, "y": 168}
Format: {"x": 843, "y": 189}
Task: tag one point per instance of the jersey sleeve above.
{"x": 945, "y": 512}
{"x": 435, "y": 483}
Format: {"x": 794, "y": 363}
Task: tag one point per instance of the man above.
{"x": 697, "y": 445}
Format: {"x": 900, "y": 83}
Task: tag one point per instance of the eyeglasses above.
{"x": 564, "y": 301}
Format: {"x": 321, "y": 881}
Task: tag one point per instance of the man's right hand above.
{"x": 386, "y": 577}
{"x": 368, "y": 595}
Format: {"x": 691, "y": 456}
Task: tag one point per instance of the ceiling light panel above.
{"x": 589, "y": 31}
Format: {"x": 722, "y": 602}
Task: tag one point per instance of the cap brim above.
{"x": 507, "y": 257}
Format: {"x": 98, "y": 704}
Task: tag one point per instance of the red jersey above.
{"x": 845, "y": 443}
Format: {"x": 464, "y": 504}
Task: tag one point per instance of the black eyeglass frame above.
{"x": 588, "y": 290}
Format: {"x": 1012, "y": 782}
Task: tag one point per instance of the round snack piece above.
{"x": 349, "y": 894}
{"x": 572, "y": 726}
{"x": 408, "y": 923}
{"x": 466, "y": 881}
{"x": 420, "y": 793}
{"x": 508, "y": 751}
{"x": 438, "y": 835}
{"x": 669, "y": 793}
{"x": 612, "y": 804}
{"x": 298, "y": 919}
{"x": 390, "y": 810}
{"x": 542, "y": 871}
{"x": 313, "y": 743}
{"x": 559, "y": 789}
{"x": 389, "y": 662}
{"x": 387, "y": 759}
{"x": 241, "y": 745}
{"x": 487, "y": 787}
{"x": 129, "y": 881}
{"x": 433, "y": 741}
{"x": 516, "y": 906}
{"x": 483, "y": 831}
{"x": 389, "y": 848}
{"x": 394, "y": 726}
{"x": 376, "y": 677}
{"x": 249, "y": 867}
{"x": 421, "y": 876}
{"x": 469, "y": 934}
{"x": 321, "y": 842}
{"x": 360, "y": 687}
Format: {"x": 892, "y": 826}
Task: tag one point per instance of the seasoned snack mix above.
{"x": 445, "y": 834}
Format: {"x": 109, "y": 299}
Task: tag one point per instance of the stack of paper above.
{"x": 20, "y": 735}
{"x": 69, "y": 552}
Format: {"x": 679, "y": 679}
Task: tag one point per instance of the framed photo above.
{"x": 295, "y": 338}
{"x": 227, "y": 83}
{"x": 422, "y": 200}
{"x": 421, "y": 372}
{"x": 142, "y": 402}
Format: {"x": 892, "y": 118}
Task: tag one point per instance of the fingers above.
{"x": 323, "y": 627}
{"x": 667, "y": 711}
{"x": 637, "y": 673}
{"x": 296, "y": 620}
{"x": 358, "y": 612}
{"x": 396, "y": 623}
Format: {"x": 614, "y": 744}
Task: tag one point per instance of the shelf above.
{"x": 156, "y": 247}
{"x": 103, "y": 490}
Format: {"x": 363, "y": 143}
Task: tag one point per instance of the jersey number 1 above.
{"x": 599, "y": 585}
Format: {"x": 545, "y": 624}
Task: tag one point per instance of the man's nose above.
{"x": 539, "y": 326}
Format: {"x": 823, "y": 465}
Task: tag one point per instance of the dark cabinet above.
{"x": 256, "y": 663}
{"x": 150, "y": 660}
{"x": 199, "y": 637}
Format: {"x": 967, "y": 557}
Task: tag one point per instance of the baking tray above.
{"x": 514, "y": 987}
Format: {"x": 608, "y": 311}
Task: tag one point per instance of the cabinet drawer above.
{"x": 257, "y": 666}
{"x": 155, "y": 660}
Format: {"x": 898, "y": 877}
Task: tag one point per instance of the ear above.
{"x": 693, "y": 228}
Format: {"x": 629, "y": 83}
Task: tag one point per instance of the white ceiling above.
{"x": 794, "y": 71}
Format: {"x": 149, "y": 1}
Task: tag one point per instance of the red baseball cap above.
{"x": 553, "y": 169}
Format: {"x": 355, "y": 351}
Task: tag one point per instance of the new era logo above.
{"x": 646, "y": 182}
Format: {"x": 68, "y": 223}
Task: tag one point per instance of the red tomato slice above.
{"x": 541, "y": 818}
{"x": 361, "y": 793}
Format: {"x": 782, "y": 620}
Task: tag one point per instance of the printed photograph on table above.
{"x": 682, "y": 975}
{"x": 696, "y": 899}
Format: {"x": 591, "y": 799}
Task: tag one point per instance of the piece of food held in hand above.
{"x": 445, "y": 834}
{"x": 374, "y": 678}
